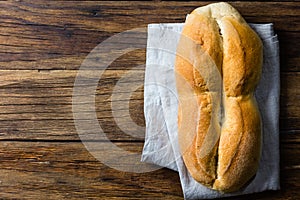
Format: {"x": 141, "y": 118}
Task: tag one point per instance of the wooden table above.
{"x": 42, "y": 46}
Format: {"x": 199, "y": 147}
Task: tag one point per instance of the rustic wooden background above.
{"x": 42, "y": 45}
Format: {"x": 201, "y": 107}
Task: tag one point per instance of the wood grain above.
{"x": 42, "y": 103}
{"x": 66, "y": 170}
{"x": 58, "y": 35}
{"x": 43, "y": 45}
{"x": 70, "y": 171}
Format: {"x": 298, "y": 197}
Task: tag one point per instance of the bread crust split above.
{"x": 220, "y": 57}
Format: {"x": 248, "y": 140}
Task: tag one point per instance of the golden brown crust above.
{"x": 235, "y": 50}
{"x": 242, "y": 57}
{"x": 239, "y": 146}
{"x": 203, "y": 31}
{"x": 202, "y": 168}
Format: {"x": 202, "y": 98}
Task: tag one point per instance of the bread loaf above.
{"x": 220, "y": 57}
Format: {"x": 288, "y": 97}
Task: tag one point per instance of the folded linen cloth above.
{"x": 160, "y": 107}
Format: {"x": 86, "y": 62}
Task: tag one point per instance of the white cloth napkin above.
{"x": 160, "y": 108}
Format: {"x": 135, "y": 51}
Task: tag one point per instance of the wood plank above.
{"x": 37, "y": 104}
{"x": 118, "y": 12}
{"x": 289, "y": 93}
{"x": 42, "y": 45}
{"x": 289, "y": 55}
{"x": 62, "y": 41}
{"x": 43, "y": 60}
{"x": 33, "y": 169}
{"x": 68, "y": 170}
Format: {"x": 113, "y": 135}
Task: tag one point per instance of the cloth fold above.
{"x": 160, "y": 107}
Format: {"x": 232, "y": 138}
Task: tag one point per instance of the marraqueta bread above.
{"x": 220, "y": 57}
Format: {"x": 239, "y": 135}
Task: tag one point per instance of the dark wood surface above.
{"x": 42, "y": 45}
